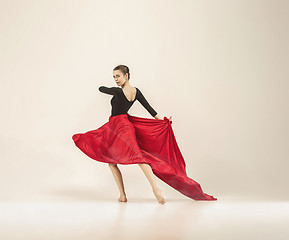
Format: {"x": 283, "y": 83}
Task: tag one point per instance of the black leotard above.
{"x": 120, "y": 104}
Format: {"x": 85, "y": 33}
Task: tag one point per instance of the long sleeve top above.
{"x": 120, "y": 104}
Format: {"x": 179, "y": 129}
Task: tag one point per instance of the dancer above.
{"x": 127, "y": 139}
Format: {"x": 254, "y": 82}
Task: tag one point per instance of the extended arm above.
{"x": 146, "y": 105}
{"x": 107, "y": 90}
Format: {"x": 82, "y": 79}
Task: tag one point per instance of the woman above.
{"x": 127, "y": 139}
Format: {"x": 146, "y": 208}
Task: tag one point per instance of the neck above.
{"x": 126, "y": 84}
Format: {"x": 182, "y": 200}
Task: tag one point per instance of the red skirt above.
{"x": 127, "y": 139}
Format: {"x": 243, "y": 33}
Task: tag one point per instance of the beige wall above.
{"x": 220, "y": 68}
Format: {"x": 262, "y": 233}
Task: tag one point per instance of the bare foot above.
{"x": 122, "y": 198}
{"x": 159, "y": 196}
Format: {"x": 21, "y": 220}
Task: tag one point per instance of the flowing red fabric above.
{"x": 127, "y": 139}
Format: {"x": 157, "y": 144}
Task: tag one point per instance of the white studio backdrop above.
{"x": 220, "y": 68}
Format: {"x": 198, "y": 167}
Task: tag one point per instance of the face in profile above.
{"x": 119, "y": 77}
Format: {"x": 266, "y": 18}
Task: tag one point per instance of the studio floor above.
{"x": 226, "y": 218}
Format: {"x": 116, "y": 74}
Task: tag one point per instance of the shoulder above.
{"x": 137, "y": 90}
{"x": 116, "y": 89}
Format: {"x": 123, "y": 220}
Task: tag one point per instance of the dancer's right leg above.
{"x": 118, "y": 178}
{"x": 150, "y": 176}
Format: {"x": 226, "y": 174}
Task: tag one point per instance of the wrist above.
{"x": 157, "y": 116}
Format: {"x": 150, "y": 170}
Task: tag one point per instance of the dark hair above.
{"x": 124, "y": 69}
